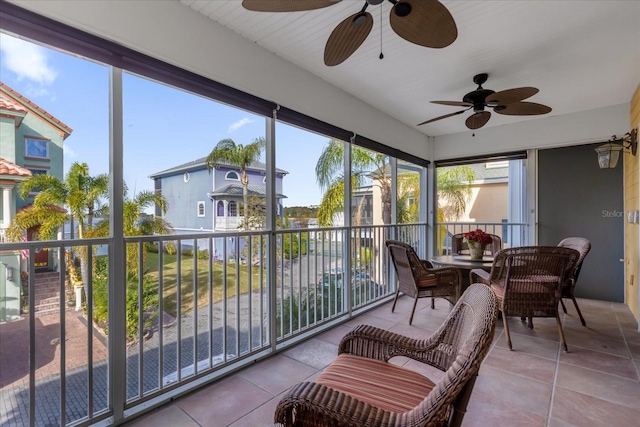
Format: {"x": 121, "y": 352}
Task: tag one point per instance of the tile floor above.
{"x": 595, "y": 384}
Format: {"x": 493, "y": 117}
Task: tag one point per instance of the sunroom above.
{"x": 150, "y": 79}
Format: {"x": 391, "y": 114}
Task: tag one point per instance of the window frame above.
{"x": 31, "y": 139}
{"x": 227, "y": 178}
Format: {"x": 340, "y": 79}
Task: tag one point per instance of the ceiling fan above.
{"x": 507, "y": 102}
{"x": 423, "y": 22}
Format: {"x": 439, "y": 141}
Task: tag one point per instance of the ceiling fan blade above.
{"x": 522, "y": 109}
{"x": 424, "y": 22}
{"x": 453, "y": 103}
{"x": 477, "y": 120}
{"x": 347, "y": 37}
{"x": 442, "y": 117}
{"x": 286, "y": 5}
{"x": 510, "y": 96}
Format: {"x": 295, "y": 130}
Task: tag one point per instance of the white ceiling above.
{"x": 582, "y": 55}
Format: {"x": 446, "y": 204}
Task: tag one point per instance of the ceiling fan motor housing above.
{"x": 477, "y": 98}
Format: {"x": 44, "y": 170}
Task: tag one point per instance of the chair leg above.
{"x": 433, "y": 303}
{"x": 530, "y": 322}
{"x": 415, "y": 302}
{"x": 563, "y": 306}
{"x": 506, "y": 330}
{"x": 562, "y": 340}
{"x": 578, "y": 310}
{"x": 393, "y": 307}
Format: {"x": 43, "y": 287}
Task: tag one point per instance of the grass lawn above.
{"x": 237, "y": 280}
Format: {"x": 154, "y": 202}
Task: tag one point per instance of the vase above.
{"x": 476, "y": 250}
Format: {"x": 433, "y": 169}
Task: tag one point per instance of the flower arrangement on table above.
{"x": 477, "y": 241}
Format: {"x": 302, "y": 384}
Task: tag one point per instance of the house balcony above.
{"x": 228, "y": 223}
{"x": 211, "y": 343}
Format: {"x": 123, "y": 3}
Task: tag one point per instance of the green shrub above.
{"x": 292, "y": 242}
{"x": 151, "y": 247}
{"x": 170, "y": 248}
{"x": 101, "y": 300}
{"x": 203, "y": 254}
{"x": 188, "y": 253}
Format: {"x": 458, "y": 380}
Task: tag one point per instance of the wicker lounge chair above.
{"x": 418, "y": 279}
{"x": 360, "y": 388}
{"x": 528, "y": 281}
{"x": 460, "y": 247}
{"x": 583, "y": 246}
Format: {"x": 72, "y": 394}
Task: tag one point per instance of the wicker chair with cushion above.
{"x": 418, "y": 279}
{"x": 583, "y": 246}
{"x": 528, "y": 281}
{"x": 360, "y": 388}
{"x": 460, "y": 247}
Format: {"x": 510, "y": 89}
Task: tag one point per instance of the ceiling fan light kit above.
{"x": 509, "y": 102}
{"x": 426, "y": 23}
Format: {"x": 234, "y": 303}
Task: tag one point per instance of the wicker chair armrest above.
{"x": 447, "y": 274}
{"x": 478, "y": 275}
{"x": 318, "y": 405}
{"x": 375, "y": 343}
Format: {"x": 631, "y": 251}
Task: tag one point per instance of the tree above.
{"x": 330, "y": 177}
{"x": 230, "y": 153}
{"x": 454, "y": 190}
{"x": 80, "y": 193}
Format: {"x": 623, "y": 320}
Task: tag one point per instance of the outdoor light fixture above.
{"x": 609, "y": 153}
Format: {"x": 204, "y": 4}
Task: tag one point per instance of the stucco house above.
{"x": 203, "y": 200}
{"x": 31, "y": 142}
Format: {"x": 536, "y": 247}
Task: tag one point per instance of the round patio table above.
{"x": 464, "y": 263}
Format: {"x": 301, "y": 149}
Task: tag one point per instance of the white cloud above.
{"x": 68, "y": 151}
{"x": 237, "y": 125}
{"x": 26, "y": 60}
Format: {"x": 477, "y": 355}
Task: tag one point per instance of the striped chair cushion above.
{"x": 383, "y": 385}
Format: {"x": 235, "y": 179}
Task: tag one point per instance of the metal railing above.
{"x": 197, "y": 306}
{"x": 512, "y": 233}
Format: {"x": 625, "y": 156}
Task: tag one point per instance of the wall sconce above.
{"x": 609, "y": 153}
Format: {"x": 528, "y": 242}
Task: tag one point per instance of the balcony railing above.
{"x": 197, "y": 307}
{"x": 512, "y": 233}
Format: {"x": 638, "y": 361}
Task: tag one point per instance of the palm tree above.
{"x": 453, "y": 184}
{"x": 79, "y": 193}
{"x": 330, "y": 177}
{"x": 135, "y": 222}
{"x": 229, "y": 153}
{"x": 454, "y": 190}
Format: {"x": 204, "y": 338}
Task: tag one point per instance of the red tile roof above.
{"x": 7, "y": 103}
{"x": 18, "y": 99}
{"x": 8, "y": 168}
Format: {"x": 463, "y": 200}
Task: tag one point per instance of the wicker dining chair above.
{"x": 528, "y": 282}
{"x": 583, "y": 246}
{"x": 419, "y": 279}
{"x": 460, "y": 247}
{"x": 360, "y": 388}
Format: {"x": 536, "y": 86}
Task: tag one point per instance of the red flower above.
{"x": 478, "y": 236}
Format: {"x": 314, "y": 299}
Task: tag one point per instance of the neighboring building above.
{"x": 30, "y": 143}
{"x": 199, "y": 200}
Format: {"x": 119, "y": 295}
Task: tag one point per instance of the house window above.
{"x": 233, "y": 209}
{"x": 38, "y": 148}
{"x": 186, "y": 177}
{"x": 264, "y": 180}
{"x": 201, "y": 209}
{"x": 35, "y": 172}
{"x": 220, "y": 208}
{"x": 232, "y": 176}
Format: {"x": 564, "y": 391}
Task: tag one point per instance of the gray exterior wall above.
{"x": 183, "y": 198}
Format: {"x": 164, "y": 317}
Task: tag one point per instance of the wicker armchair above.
{"x": 528, "y": 281}
{"x": 460, "y": 247}
{"x": 360, "y": 388}
{"x": 418, "y": 279}
{"x": 583, "y": 246}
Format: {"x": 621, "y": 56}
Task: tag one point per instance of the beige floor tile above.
{"x": 582, "y": 410}
{"x": 167, "y": 416}
{"x": 223, "y": 402}
{"x": 524, "y": 364}
{"x": 277, "y": 373}
{"x": 607, "y": 387}
{"x": 599, "y": 361}
{"x": 314, "y": 352}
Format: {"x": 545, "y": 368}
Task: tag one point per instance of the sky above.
{"x": 163, "y": 126}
